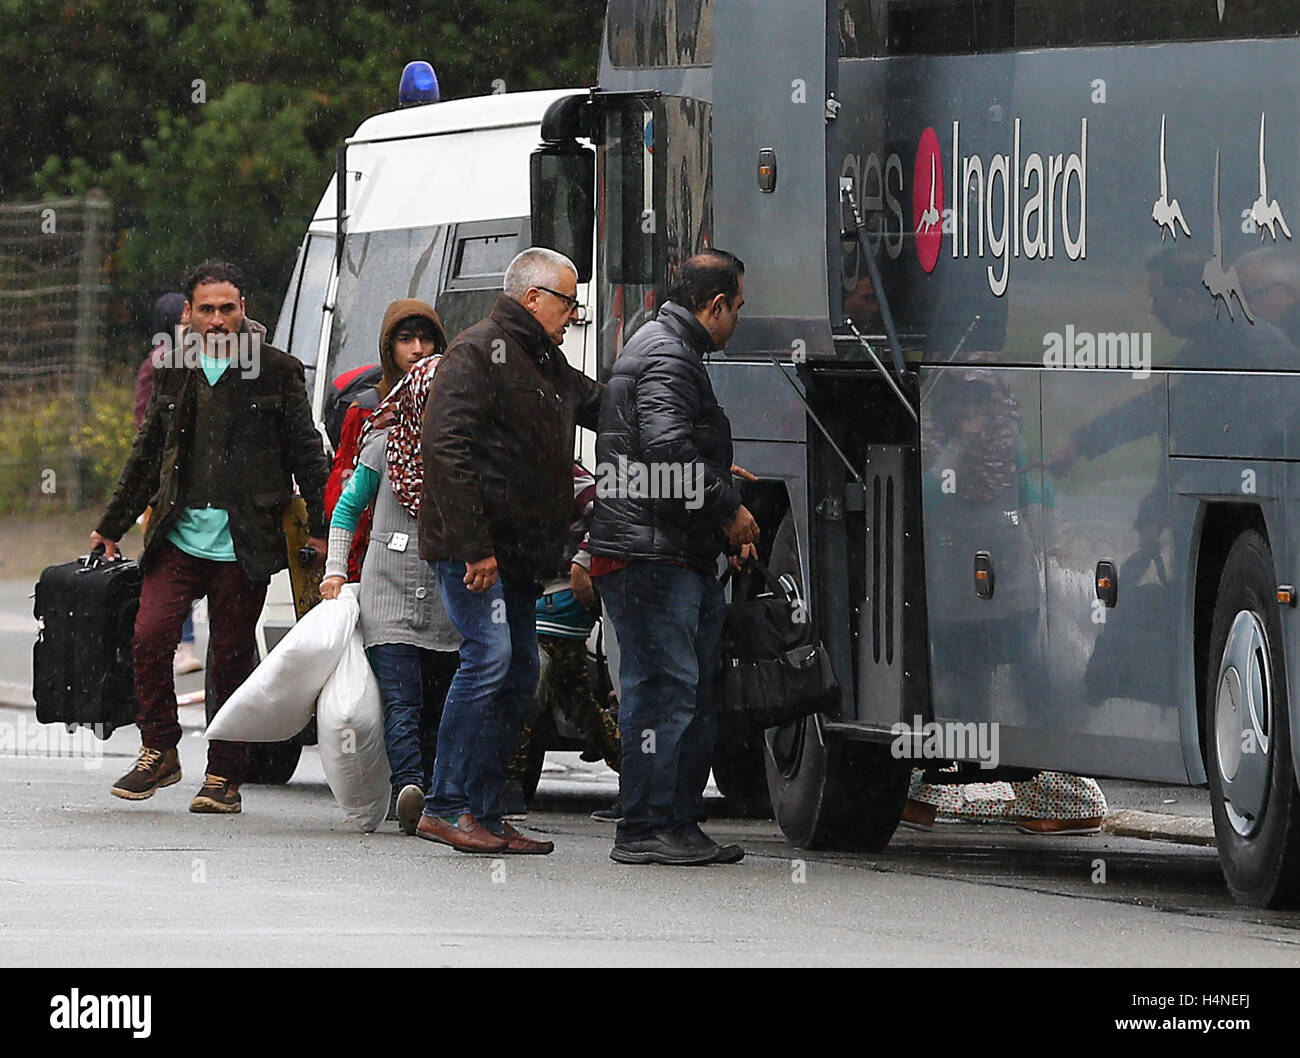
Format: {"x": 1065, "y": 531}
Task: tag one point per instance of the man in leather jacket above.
{"x": 497, "y": 446}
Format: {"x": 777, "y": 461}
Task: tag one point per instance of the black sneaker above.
{"x": 152, "y": 770}
{"x": 612, "y": 814}
{"x": 692, "y": 835}
{"x": 663, "y": 846}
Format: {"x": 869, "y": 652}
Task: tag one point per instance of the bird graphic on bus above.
{"x": 1265, "y": 213}
{"x": 930, "y": 217}
{"x": 1222, "y": 282}
{"x": 1167, "y": 210}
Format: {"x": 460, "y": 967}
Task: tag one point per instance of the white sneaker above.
{"x": 186, "y": 660}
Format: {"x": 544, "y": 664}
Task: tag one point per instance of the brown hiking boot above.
{"x": 153, "y": 769}
{"x": 217, "y": 795}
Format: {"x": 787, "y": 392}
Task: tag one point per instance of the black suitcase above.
{"x": 81, "y": 664}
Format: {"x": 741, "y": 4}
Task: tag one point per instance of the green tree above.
{"x": 211, "y": 124}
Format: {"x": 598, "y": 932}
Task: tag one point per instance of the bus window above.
{"x": 958, "y": 27}
{"x": 378, "y": 268}
{"x": 645, "y": 33}
{"x": 625, "y": 236}
{"x": 656, "y": 170}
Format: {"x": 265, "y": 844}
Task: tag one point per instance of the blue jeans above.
{"x": 488, "y": 695}
{"x": 669, "y": 624}
{"x": 413, "y": 682}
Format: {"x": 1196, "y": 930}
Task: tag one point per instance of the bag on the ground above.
{"x": 774, "y": 668}
{"x": 81, "y": 663}
{"x": 278, "y": 699}
{"x": 350, "y": 738}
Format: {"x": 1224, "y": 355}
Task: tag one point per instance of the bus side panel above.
{"x": 979, "y": 438}
{"x": 1113, "y": 667}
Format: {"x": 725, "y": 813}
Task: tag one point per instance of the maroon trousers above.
{"x": 173, "y": 581}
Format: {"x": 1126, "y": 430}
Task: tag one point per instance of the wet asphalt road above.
{"x": 88, "y": 879}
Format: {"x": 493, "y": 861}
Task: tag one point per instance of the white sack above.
{"x": 350, "y": 738}
{"x": 277, "y": 700}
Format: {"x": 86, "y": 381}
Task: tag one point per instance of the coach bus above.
{"x": 1018, "y": 373}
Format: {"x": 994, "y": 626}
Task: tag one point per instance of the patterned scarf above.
{"x": 403, "y": 412}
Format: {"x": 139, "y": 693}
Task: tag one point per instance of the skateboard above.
{"x": 305, "y": 566}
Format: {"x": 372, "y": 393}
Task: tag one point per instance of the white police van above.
{"x": 431, "y": 201}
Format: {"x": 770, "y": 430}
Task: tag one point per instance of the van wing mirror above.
{"x": 563, "y": 196}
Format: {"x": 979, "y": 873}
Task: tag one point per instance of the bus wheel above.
{"x": 1253, "y": 791}
{"x": 272, "y": 763}
{"x": 738, "y": 770}
{"x": 828, "y": 793}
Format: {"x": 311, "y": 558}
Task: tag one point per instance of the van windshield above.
{"x": 377, "y": 269}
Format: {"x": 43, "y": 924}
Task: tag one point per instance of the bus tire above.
{"x": 740, "y": 774}
{"x": 272, "y": 763}
{"x": 829, "y": 793}
{"x": 1253, "y": 792}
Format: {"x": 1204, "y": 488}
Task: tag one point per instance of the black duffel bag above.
{"x": 774, "y": 668}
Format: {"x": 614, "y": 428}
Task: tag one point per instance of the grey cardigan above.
{"x": 400, "y": 602}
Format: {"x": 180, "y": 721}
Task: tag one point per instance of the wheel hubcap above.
{"x": 1242, "y": 721}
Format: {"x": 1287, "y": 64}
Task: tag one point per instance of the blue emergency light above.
{"x": 419, "y": 85}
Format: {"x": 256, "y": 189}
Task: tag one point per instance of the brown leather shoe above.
{"x": 519, "y": 845}
{"x": 917, "y": 815}
{"x": 466, "y": 836}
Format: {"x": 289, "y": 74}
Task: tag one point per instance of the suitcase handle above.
{"x": 96, "y": 557}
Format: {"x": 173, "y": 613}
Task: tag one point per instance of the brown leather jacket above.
{"x": 498, "y": 446}
{"x": 260, "y": 439}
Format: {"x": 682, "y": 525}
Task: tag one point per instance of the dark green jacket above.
{"x": 259, "y": 438}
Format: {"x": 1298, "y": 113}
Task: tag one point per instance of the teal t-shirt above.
{"x": 204, "y": 532}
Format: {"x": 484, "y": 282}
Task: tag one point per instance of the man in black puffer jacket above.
{"x": 666, "y": 508}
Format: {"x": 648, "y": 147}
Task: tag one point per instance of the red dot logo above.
{"x": 927, "y": 200}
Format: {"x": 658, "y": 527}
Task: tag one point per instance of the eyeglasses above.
{"x": 573, "y": 303}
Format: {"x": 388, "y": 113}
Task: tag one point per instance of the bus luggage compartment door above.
{"x": 892, "y": 669}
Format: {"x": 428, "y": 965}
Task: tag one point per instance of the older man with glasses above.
{"x": 494, "y": 514}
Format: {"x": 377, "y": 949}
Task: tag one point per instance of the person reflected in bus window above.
{"x": 411, "y": 643}
{"x": 1182, "y": 304}
{"x": 860, "y": 303}
{"x": 1270, "y": 278}
{"x": 976, "y": 471}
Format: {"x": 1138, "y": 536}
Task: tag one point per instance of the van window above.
{"x": 481, "y": 252}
